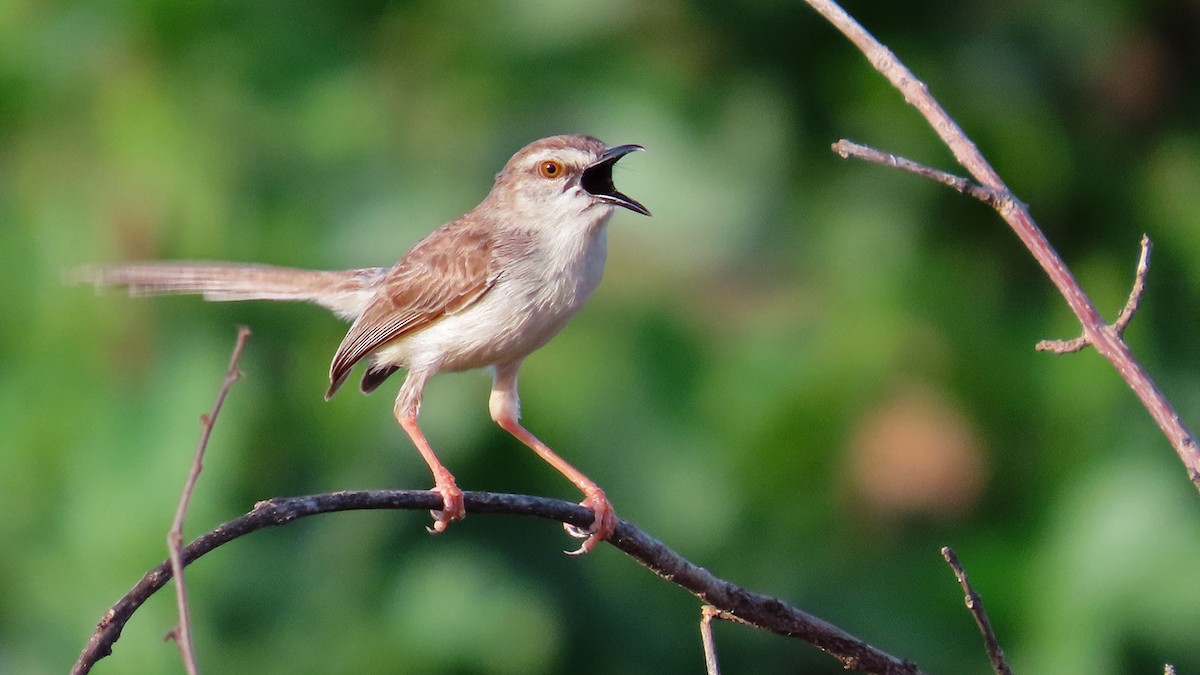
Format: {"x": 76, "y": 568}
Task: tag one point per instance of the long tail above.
{"x": 345, "y": 292}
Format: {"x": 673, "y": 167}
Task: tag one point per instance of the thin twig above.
{"x": 740, "y": 604}
{"x": 1107, "y": 343}
{"x": 975, "y": 606}
{"x": 848, "y": 149}
{"x": 1139, "y": 287}
{"x": 1118, "y": 327}
{"x": 182, "y": 633}
{"x": 1071, "y": 346}
{"x": 711, "y": 666}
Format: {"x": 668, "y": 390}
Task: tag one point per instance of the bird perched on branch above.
{"x": 484, "y": 290}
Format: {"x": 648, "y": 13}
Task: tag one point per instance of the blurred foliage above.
{"x": 806, "y": 374}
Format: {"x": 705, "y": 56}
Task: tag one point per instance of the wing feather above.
{"x": 445, "y": 273}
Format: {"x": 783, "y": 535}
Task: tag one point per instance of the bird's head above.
{"x": 564, "y": 177}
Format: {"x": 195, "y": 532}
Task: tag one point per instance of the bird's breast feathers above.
{"x": 538, "y": 290}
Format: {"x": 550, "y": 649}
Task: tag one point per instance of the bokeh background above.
{"x": 803, "y": 373}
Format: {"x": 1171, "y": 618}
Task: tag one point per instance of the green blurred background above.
{"x": 803, "y": 373}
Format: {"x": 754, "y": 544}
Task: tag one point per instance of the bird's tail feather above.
{"x": 345, "y": 292}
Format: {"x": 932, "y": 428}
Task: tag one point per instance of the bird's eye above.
{"x": 550, "y": 169}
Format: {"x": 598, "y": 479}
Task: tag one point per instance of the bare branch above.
{"x": 975, "y": 606}
{"x": 1139, "y": 287}
{"x": 740, "y": 604}
{"x": 182, "y": 633}
{"x": 1118, "y": 327}
{"x": 711, "y": 666}
{"x": 1062, "y": 346}
{"x": 851, "y": 150}
{"x": 1107, "y": 343}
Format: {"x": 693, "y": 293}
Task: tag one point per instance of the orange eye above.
{"x": 550, "y": 169}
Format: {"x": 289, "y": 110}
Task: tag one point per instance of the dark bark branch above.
{"x": 1096, "y": 332}
{"x": 745, "y": 606}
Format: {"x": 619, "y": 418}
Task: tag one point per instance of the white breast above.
{"x": 534, "y": 297}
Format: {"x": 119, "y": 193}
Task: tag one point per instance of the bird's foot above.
{"x": 603, "y": 525}
{"x": 453, "y": 509}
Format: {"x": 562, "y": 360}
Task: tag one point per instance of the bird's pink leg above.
{"x": 407, "y": 405}
{"x": 505, "y": 408}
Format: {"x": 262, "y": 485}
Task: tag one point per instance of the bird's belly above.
{"x": 502, "y": 327}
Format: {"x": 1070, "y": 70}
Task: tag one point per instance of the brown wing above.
{"x": 445, "y": 273}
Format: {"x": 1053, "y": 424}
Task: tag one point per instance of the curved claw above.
{"x": 453, "y": 509}
{"x": 603, "y": 525}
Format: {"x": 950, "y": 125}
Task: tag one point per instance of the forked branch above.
{"x": 1000, "y": 201}
{"x": 1106, "y": 341}
{"x": 1118, "y": 327}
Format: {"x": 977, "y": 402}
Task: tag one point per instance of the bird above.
{"x": 484, "y": 290}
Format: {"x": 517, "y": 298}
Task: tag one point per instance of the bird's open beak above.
{"x": 597, "y": 179}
